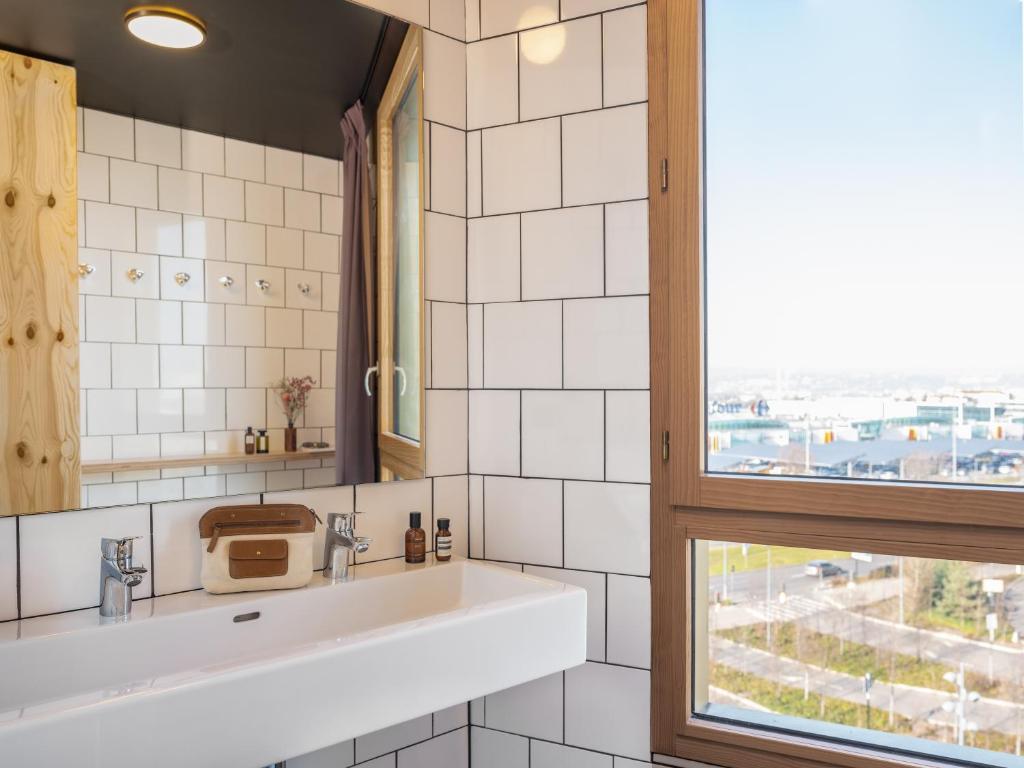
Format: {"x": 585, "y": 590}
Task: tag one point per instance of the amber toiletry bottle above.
{"x": 415, "y": 540}
{"x": 443, "y": 541}
{"x": 250, "y": 441}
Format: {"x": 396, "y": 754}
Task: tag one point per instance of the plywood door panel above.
{"x": 39, "y": 398}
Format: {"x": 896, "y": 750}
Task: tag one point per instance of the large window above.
{"x": 837, "y": 254}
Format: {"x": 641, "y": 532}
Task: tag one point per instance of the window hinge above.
{"x": 664, "y": 175}
{"x": 664, "y": 445}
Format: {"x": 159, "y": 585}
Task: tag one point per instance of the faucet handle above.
{"x": 118, "y": 549}
{"x": 342, "y": 521}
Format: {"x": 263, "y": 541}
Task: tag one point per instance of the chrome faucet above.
{"x": 118, "y": 574}
{"x": 341, "y": 539}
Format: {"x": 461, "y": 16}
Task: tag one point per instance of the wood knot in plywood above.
{"x": 9, "y": 198}
{"x": 30, "y": 331}
{"x": 51, "y": 201}
{"x": 60, "y": 335}
{"x": 28, "y": 63}
{"x": 43, "y": 460}
{"x": 22, "y": 450}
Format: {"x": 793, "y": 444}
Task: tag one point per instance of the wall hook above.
{"x": 182, "y": 277}
{"x": 135, "y": 274}
{"x": 304, "y": 289}
{"x": 84, "y": 270}
{"x": 262, "y": 285}
{"x": 227, "y": 281}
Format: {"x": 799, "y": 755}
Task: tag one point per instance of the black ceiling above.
{"x": 275, "y": 72}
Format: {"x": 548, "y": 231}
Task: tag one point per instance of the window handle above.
{"x": 401, "y": 372}
{"x": 366, "y": 379}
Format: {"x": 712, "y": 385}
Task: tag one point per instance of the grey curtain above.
{"x": 354, "y": 412}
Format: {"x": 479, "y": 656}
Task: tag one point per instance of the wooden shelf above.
{"x": 203, "y": 460}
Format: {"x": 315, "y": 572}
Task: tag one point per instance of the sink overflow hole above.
{"x": 246, "y": 617}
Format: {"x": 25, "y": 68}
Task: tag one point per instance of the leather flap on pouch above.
{"x": 268, "y": 549}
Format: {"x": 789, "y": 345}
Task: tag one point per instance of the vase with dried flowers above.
{"x": 292, "y": 395}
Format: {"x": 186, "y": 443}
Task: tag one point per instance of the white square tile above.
{"x": 563, "y": 253}
{"x": 284, "y": 328}
{"x": 133, "y": 183}
{"x": 157, "y": 144}
{"x": 204, "y": 238}
{"x": 249, "y": 482}
{"x": 320, "y": 409}
{"x": 607, "y": 527}
{"x": 205, "y": 486}
{"x": 159, "y": 322}
{"x": 224, "y": 366}
{"x": 448, "y": 346}
{"x": 531, "y": 709}
{"x": 544, "y": 754}
{"x": 451, "y": 500}
{"x": 331, "y": 291}
{"x": 263, "y": 367}
{"x": 568, "y": 82}
{"x": 447, "y": 430}
{"x": 628, "y": 436}
{"x": 264, "y": 204}
{"x": 108, "y": 134}
{"x": 625, "y": 56}
{"x": 445, "y": 278}
{"x": 303, "y": 289}
{"x": 225, "y": 282}
{"x": 244, "y": 160}
{"x": 523, "y": 345}
{"x": 284, "y": 247}
{"x": 475, "y": 353}
{"x": 303, "y": 362}
{"x": 181, "y": 191}
{"x": 392, "y": 738}
{"x": 594, "y": 583}
{"x": 449, "y": 17}
{"x": 607, "y": 708}
{"x": 472, "y": 20}
{"x": 8, "y": 570}
{"x": 426, "y": 167}
{"x": 204, "y": 410}
{"x": 386, "y": 508}
{"x": 629, "y": 621}
{"x": 94, "y": 365}
{"x": 135, "y": 366}
{"x": 301, "y": 210}
{"x": 284, "y": 168}
{"x": 202, "y": 324}
{"x": 474, "y": 174}
{"x": 190, "y": 271}
{"x": 168, "y": 489}
{"x": 521, "y": 167}
{"x": 175, "y": 543}
{"x": 605, "y": 155}
{"x": 492, "y": 69}
{"x": 335, "y": 756}
{"x": 448, "y": 180}
{"x": 320, "y": 330}
{"x": 246, "y": 408}
{"x": 97, "y": 283}
{"x": 73, "y": 539}
{"x": 606, "y": 343}
{"x": 244, "y": 326}
{"x": 563, "y": 435}
{"x": 332, "y": 214}
{"x": 476, "y": 519}
{"x": 93, "y": 178}
{"x": 494, "y": 432}
{"x": 81, "y": 223}
{"x": 109, "y": 319}
{"x": 450, "y": 750}
{"x": 223, "y": 198}
{"x": 202, "y": 152}
{"x": 523, "y": 520}
{"x": 98, "y": 449}
{"x": 444, "y": 61}
{"x": 181, "y": 366}
{"x": 285, "y": 480}
{"x": 160, "y": 410}
{"x": 626, "y": 248}
{"x": 273, "y": 280}
{"x": 322, "y": 252}
{"x": 246, "y": 242}
{"x": 320, "y": 174}
{"x": 109, "y": 226}
{"x": 493, "y": 271}
{"x": 146, "y": 284}
{"x": 500, "y": 16}
{"x": 159, "y": 232}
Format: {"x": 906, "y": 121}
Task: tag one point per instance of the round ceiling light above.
{"x": 165, "y": 26}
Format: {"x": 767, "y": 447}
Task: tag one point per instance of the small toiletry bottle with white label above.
{"x": 443, "y": 541}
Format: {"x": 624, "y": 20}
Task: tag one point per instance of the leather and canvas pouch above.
{"x": 253, "y": 547}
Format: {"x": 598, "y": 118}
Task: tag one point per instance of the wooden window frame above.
{"x": 399, "y": 456}
{"x": 688, "y": 504}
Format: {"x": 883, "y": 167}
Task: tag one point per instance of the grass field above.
{"x": 757, "y": 557}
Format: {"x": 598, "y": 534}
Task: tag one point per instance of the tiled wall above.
{"x": 172, "y": 370}
{"x": 558, "y": 358}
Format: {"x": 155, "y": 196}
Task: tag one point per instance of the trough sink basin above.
{"x": 240, "y": 681}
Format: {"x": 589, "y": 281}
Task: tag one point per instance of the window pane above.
{"x": 406, "y": 125}
{"x": 906, "y": 654}
{"x": 865, "y": 239}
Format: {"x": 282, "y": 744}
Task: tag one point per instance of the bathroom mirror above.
{"x": 173, "y": 240}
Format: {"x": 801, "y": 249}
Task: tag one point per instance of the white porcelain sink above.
{"x": 188, "y": 684}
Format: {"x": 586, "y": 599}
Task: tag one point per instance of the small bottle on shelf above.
{"x": 262, "y": 442}
{"x": 250, "y": 440}
{"x": 443, "y": 541}
{"x": 415, "y": 540}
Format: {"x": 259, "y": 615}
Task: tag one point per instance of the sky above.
{"x": 865, "y": 185}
